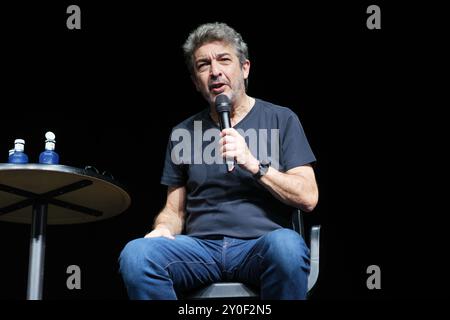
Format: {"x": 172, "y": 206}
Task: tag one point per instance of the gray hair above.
{"x": 210, "y": 32}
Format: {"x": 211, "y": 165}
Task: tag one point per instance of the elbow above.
{"x": 310, "y": 203}
{"x": 309, "y": 207}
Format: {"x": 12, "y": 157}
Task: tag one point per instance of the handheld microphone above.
{"x": 223, "y": 108}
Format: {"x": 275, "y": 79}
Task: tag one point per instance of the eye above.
{"x": 202, "y": 66}
{"x": 225, "y": 60}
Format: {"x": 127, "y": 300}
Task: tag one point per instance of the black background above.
{"x": 112, "y": 91}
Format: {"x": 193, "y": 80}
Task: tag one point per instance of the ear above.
{"x": 246, "y": 68}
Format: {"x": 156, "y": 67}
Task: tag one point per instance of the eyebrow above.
{"x": 220, "y": 55}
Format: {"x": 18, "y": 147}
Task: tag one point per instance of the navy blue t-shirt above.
{"x": 234, "y": 204}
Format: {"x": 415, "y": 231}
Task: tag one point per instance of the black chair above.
{"x": 224, "y": 290}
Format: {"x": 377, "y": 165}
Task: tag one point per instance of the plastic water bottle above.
{"x": 18, "y": 155}
{"x": 49, "y": 156}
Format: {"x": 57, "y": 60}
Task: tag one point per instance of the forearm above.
{"x": 297, "y": 187}
{"x": 295, "y": 190}
{"x": 170, "y": 220}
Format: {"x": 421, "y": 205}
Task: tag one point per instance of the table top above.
{"x": 102, "y": 193}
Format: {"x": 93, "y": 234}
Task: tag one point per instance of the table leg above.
{"x": 37, "y": 252}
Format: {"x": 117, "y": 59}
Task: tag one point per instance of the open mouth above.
{"x": 217, "y": 87}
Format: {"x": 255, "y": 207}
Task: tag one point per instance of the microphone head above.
{"x": 223, "y": 103}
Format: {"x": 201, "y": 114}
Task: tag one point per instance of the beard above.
{"x": 234, "y": 92}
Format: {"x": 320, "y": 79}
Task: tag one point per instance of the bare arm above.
{"x": 170, "y": 220}
{"x": 297, "y": 187}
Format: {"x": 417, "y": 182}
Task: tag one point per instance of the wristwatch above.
{"x": 263, "y": 168}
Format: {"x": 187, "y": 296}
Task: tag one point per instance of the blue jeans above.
{"x": 160, "y": 268}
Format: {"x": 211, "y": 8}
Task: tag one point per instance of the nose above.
{"x": 215, "y": 71}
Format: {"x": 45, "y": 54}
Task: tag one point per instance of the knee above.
{"x": 286, "y": 240}
{"x": 136, "y": 257}
{"x": 287, "y": 249}
{"x": 131, "y": 255}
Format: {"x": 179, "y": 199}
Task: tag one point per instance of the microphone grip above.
{"x": 224, "y": 120}
{"x": 225, "y": 124}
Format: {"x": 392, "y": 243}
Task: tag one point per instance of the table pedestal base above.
{"x": 37, "y": 252}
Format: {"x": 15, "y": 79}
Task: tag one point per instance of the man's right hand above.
{"x": 160, "y": 232}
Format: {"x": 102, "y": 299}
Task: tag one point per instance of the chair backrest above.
{"x": 297, "y": 222}
{"x": 314, "y": 246}
{"x": 314, "y": 242}
{"x": 223, "y": 290}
